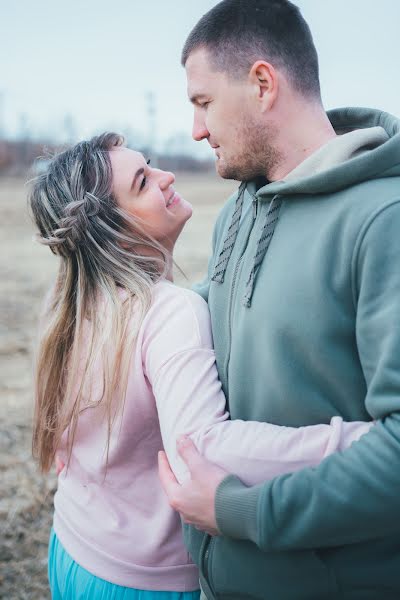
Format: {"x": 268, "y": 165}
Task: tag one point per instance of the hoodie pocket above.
{"x": 241, "y": 570}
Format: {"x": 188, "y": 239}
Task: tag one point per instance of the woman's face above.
{"x": 148, "y": 194}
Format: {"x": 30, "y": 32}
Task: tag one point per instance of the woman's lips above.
{"x": 175, "y": 199}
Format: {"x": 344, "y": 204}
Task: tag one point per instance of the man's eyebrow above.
{"x": 137, "y": 174}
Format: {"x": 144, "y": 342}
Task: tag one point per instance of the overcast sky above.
{"x": 97, "y": 61}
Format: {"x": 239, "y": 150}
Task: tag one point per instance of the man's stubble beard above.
{"x": 259, "y": 155}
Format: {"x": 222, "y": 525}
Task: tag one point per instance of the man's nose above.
{"x": 200, "y": 131}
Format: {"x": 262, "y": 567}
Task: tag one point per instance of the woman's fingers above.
{"x": 59, "y": 464}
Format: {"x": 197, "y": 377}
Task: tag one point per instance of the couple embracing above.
{"x": 261, "y": 409}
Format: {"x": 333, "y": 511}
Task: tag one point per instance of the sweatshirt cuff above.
{"x": 236, "y": 509}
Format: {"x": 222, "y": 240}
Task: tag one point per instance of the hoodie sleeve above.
{"x": 352, "y": 496}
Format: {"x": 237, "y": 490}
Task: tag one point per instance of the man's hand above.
{"x": 195, "y": 498}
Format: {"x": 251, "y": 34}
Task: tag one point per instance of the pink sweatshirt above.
{"x": 121, "y": 528}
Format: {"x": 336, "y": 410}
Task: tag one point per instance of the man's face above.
{"x": 225, "y": 117}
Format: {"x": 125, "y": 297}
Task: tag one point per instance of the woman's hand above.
{"x": 58, "y": 464}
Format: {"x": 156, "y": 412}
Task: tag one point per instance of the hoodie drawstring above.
{"x": 263, "y": 243}
{"x": 229, "y": 242}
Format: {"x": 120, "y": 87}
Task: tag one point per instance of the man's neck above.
{"x": 302, "y": 135}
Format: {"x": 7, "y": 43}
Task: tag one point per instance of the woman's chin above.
{"x": 187, "y": 211}
{"x": 188, "y": 215}
{"x": 190, "y": 210}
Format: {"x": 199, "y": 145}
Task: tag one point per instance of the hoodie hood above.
{"x": 372, "y": 163}
{"x": 373, "y": 151}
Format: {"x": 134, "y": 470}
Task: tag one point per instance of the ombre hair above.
{"x": 107, "y": 267}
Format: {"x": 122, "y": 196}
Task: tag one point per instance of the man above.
{"x": 304, "y": 295}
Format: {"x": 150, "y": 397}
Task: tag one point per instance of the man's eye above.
{"x": 143, "y": 183}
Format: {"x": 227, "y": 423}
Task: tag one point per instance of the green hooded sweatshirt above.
{"x": 306, "y": 324}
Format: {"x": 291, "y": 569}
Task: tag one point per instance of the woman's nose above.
{"x": 166, "y": 178}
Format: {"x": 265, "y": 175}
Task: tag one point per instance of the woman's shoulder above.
{"x": 166, "y": 291}
{"x": 177, "y": 309}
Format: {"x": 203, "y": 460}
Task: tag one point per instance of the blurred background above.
{"x": 69, "y": 70}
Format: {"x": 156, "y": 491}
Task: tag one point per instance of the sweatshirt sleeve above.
{"x": 179, "y": 362}
{"x": 352, "y": 496}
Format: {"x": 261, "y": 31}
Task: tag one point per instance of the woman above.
{"x": 125, "y": 365}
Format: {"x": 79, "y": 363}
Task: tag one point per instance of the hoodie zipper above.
{"x": 206, "y": 558}
{"x": 233, "y": 286}
{"x": 206, "y": 563}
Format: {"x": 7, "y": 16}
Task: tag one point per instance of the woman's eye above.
{"x": 143, "y": 183}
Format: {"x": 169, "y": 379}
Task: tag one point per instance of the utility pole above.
{"x": 69, "y": 129}
{"x": 2, "y": 120}
{"x": 152, "y": 127}
{"x": 23, "y": 141}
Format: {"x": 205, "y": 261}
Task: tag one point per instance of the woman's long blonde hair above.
{"x": 101, "y": 250}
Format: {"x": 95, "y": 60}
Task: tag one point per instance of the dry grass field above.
{"x": 26, "y": 269}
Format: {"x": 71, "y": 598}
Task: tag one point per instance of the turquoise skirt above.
{"x": 69, "y": 581}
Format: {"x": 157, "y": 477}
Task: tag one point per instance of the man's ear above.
{"x": 264, "y": 79}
